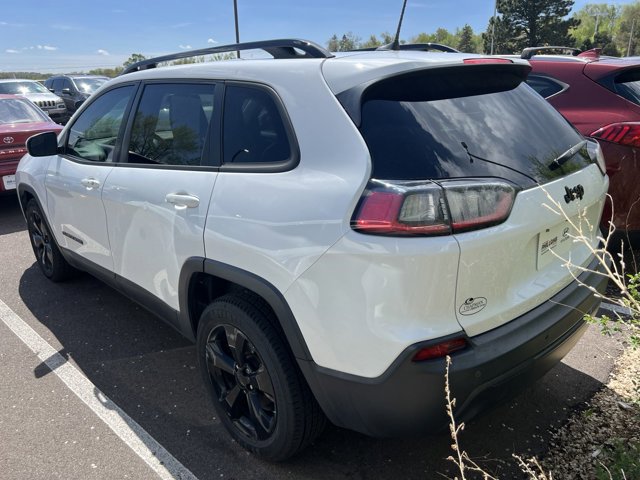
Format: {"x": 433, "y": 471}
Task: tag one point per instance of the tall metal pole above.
{"x": 493, "y": 25}
{"x": 235, "y": 14}
{"x": 633, "y": 22}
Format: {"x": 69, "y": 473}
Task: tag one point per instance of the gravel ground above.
{"x": 612, "y": 415}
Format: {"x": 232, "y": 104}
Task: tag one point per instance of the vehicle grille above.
{"x": 46, "y": 103}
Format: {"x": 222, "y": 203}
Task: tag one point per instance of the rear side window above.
{"x": 171, "y": 124}
{"x": 545, "y": 86}
{"x": 627, "y": 85}
{"x": 94, "y": 134}
{"x": 254, "y": 131}
{"x": 493, "y": 134}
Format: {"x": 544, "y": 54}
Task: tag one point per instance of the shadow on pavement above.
{"x": 11, "y": 219}
{"x": 150, "y": 372}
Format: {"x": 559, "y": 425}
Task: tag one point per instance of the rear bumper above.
{"x": 409, "y": 397}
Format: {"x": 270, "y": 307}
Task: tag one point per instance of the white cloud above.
{"x": 65, "y": 28}
{"x": 102, "y": 52}
{"x": 11, "y": 50}
{"x": 48, "y": 47}
{"x": 185, "y": 47}
{"x": 211, "y": 40}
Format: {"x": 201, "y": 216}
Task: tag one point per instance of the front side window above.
{"x": 254, "y": 130}
{"x": 171, "y": 124}
{"x": 94, "y": 133}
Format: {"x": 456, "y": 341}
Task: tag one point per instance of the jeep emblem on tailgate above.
{"x": 573, "y": 193}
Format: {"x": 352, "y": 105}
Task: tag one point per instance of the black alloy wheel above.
{"x": 48, "y": 255}
{"x": 253, "y": 380}
{"x": 241, "y": 381}
{"x": 41, "y": 241}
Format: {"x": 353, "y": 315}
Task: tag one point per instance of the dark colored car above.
{"x": 19, "y": 120}
{"x": 74, "y": 89}
{"x": 601, "y": 97}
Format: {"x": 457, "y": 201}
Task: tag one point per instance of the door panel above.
{"x": 76, "y": 179}
{"x": 151, "y": 230}
{"x": 156, "y": 205}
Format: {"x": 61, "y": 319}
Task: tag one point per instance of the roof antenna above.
{"x": 396, "y": 41}
{"x": 235, "y": 15}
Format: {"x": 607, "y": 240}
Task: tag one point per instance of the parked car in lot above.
{"x": 19, "y": 119}
{"x": 328, "y": 229}
{"x": 38, "y": 94}
{"x": 74, "y": 89}
{"x": 601, "y": 97}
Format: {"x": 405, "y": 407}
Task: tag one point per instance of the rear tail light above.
{"x": 440, "y": 350}
{"x": 625, "y": 133}
{"x": 425, "y": 209}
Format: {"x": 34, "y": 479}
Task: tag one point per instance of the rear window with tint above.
{"x": 493, "y": 134}
{"x": 627, "y": 85}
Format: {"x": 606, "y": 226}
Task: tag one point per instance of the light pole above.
{"x": 493, "y": 25}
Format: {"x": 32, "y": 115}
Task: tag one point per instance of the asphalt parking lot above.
{"x": 142, "y": 376}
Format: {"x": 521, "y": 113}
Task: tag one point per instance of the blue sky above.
{"x": 80, "y": 35}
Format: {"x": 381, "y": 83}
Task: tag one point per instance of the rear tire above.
{"x": 255, "y": 385}
{"x": 45, "y": 248}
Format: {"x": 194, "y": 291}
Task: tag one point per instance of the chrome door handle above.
{"x": 90, "y": 183}
{"x": 182, "y": 200}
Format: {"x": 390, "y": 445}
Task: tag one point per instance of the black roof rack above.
{"x": 412, "y": 46}
{"x": 527, "y": 53}
{"x": 283, "y": 48}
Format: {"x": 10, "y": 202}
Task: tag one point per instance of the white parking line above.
{"x": 136, "y": 437}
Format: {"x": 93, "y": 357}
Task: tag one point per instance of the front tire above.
{"x": 45, "y": 248}
{"x": 255, "y": 385}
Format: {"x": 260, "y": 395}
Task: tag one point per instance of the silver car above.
{"x": 36, "y": 92}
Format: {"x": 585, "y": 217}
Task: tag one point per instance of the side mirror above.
{"x": 43, "y": 144}
{"x": 78, "y": 103}
{"x": 51, "y": 90}
{"x": 66, "y": 91}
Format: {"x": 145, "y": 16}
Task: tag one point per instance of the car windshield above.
{"x": 89, "y": 85}
{"x": 22, "y": 88}
{"x": 15, "y": 110}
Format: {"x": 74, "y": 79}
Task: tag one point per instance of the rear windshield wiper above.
{"x": 562, "y": 159}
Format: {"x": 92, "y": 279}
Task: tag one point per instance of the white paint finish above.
{"x": 32, "y": 171}
{"x": 163, "y": 464}
{"x": 505, "y": 272}
{"x": 370, "y": 297}
{"x": 150, "y": 237}
{"x": 276, "y": 225}
{"x": 76, "y": 209}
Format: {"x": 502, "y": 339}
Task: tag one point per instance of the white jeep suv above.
{"x": 328, "y": 228}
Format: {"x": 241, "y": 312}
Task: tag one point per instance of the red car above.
{"x": 601, "y": 97}
{"x": 19, "y": 120}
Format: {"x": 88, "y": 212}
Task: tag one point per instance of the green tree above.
{"x": 466, "y": 43}
{"x": 503, "y": 37}
{"x": 595, "y": 18}
{"x": 534, "y": 23}
{"x": 629, "y": 21}
{"x": 605, "y": 42}
{"x": 333, "y": 44}
{"x": 348, "y": 42}
{"x": 134, "y": 58}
